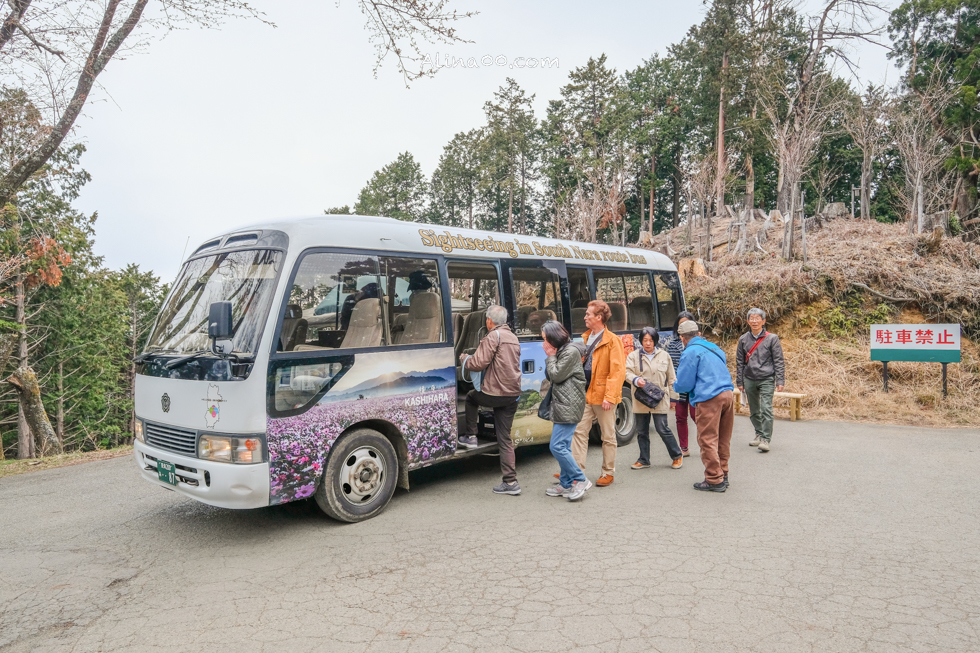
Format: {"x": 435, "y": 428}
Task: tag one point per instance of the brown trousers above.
{"x": 715, "y": 419}
{"x": 607, "y": 427}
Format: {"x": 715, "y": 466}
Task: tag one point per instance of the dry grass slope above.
{"x": 858, "y": 273}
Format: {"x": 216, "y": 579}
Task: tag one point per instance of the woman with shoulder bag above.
{"x": 564, "y": 405}
{"x": 651, "y": 373}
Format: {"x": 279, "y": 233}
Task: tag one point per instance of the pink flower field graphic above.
{"x": 298, "y": 446}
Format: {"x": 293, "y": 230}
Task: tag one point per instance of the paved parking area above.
{"x": 846, "y": 537}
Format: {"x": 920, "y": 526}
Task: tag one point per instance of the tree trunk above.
{"x": 510, "y": 208}
{"x": 720, "y": 177}
{"x": 653, "y": 189}
{"x": 60, "y": 426}
{"x": 25, "y": 443}
{"x": 675, "y": 209}
{"x": 643, "y": 209}
{"x": 866, "y": 185}
{"x": 523, "y": 203}
{"x": 966, "y": 202}
{"x": 789, "y": 233}
{"x": 749, "y": 168}
{"x": 25, "y": 381}
{"x": 920, "y": 208}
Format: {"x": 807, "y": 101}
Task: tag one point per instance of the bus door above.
{"x": 535, "y": 291}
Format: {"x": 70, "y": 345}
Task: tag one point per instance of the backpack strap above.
{"x": 698, "y": 344}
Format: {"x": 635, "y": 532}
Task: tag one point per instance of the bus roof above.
{"x": 376, "y": 233}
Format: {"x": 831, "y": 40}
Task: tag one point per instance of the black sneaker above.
{"x": 726, "y": 479}
{"x": 708, "y": 487}
{"x": 468, "y": 442}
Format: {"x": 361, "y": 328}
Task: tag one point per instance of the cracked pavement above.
{"x": 845, "y": 537}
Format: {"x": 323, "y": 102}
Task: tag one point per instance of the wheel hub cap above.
{"x": 362, "y": 475}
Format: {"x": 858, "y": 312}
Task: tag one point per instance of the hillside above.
{"x": 857, "y": 273}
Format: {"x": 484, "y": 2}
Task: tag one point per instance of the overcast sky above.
{"x": 211, "y": 130}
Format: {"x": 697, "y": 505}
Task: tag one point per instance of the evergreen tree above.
{"x": 396, "y": 191}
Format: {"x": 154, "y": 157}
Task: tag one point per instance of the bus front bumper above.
{"x": 224, "y": 485}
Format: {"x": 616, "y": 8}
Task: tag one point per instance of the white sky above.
{"x": 210, "y": 130}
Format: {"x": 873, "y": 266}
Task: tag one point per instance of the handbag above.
{"x": 650, "y": 395}
{"x": 544, "y": 408}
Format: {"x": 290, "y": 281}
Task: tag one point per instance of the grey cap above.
{"x": 687, "y": 327}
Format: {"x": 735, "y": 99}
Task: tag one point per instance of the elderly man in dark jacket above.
{"x": 759, "y": 371}
{"x": 499, "y": 358}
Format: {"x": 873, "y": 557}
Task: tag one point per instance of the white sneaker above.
{"x": 763, "y": 446}
{"x": 755, "y": 443}
{"x": 577, "y": 491}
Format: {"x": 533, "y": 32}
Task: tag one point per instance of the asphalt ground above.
{"x": 845, "y": 537}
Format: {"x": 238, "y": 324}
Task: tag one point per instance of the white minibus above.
{"x": 318, "y": 357}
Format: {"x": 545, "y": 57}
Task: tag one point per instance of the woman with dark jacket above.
{"x": 682, "y": 406}
{"x": 564, "y": 369}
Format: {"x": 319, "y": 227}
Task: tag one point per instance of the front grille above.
{"x": 171, "y": 438}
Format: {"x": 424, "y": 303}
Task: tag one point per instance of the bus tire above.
{"x": 359, "y": 478}
{"x": 625, "y": 419}
{"x": 625, "y": 422}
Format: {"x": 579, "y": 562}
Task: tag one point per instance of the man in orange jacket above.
{"x": 605, "y": 371}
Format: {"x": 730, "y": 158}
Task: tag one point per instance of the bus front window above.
{"x": 247, "y": 279}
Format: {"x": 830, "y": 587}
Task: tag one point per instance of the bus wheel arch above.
{"x": 625, "y": 421}
{"x": 359, "y": 476}
{"x": 397, "y": 440}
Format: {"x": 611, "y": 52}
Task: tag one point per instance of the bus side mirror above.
{"x": 220, "y": 321}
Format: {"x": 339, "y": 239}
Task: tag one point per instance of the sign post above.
{"x": 924, "y": 343}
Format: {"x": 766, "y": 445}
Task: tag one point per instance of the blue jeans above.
{"x": 561, "y": 448}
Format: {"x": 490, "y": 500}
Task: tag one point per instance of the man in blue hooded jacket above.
{"x": 703, "y": 373}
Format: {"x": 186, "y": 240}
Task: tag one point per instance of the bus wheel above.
{"x": 625, "y": 419}
{"x": 625, "y": 422}
{"x": 359, "y": 478}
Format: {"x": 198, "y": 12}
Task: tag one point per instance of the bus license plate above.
{"x": 165, "y": 471}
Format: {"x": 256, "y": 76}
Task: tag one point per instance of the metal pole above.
{"x": 884, "y": 373}
{"x": 945, "y": 392}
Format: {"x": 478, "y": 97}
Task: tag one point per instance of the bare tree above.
{"x": 55, "y": 50}
{"x": 866, "y": 122}
{"x": 923, "y": 149}
{"x": 823, "y": 175}
{"x": 793, "y": 96}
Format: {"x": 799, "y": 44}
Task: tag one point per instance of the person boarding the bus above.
{"x": 499, "y": 358}
{"x": 703, "y": 373}
{"x": 605, "y": 370}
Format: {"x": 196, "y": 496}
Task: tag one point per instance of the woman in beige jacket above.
{"x": 651, "y": 364}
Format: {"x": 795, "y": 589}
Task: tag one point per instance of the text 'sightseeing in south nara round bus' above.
{"x": 448, "y": 242}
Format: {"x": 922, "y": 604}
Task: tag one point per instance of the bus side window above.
{"x": 610, "y": 288}
{"x": 537, "y": 297}
{"x": 580, "y": 295}
{"x": 415, "y": 315}
{"x": 668, "y": 298}
{"x": 472, "y": 289}
{"x": 337, "y": 301}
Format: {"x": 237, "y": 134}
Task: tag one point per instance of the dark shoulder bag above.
{"x": 651, "y": 394}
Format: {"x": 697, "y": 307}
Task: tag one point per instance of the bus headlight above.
{"x": 138, "y": 430}
{"x": 227, "y": 449}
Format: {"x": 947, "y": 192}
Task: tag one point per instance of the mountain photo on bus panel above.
{"x": 413, "y": 390}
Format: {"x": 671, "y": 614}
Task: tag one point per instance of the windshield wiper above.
{"x": 184, "y": 359}
{"x": 150, "y": 354}
{"x": 197, "y": 354}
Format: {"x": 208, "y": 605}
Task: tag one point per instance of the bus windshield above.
{"x": 247, "y": 279}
